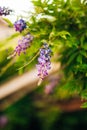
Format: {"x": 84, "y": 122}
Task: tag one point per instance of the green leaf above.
{"x": 84, "y": 94}
{"x": 71, "y": 86}
{"x": 84, "y": 105}
{"x": 72, "y": 57}
{"x": 84, "y": 53}
{"x": 63, "y": 34}
{"x": 79, "y": 58}
{"x": 84, "y": 46}
{"x": 9, "y": 22}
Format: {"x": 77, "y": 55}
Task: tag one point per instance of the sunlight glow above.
{"x": 20, "y": 7}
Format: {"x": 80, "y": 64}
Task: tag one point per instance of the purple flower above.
{"x": 53, "y": 82}
{"x": 23, "y": 44}
{"x": 4, "y": 11}
{"x": 3, "y": 121}
{"x": 44, "y": 63}
{"x": 20, "y": 25}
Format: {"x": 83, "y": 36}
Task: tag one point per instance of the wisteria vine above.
{"x": 44, "y": 63}
{"x": 5, "y": 11}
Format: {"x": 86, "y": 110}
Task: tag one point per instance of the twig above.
{"x": 29, "y": 61}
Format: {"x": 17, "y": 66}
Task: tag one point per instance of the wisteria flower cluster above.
{"x": 23, "y": 44}
{"x": 5, "y": 11}
{"x": 44, "y": 63}
{"x": 20, "y": 25}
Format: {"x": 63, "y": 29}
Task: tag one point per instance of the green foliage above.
{"x": 63, "y": 25}
{"x": 67, "y": 35}
{"x": 34, "y": 111}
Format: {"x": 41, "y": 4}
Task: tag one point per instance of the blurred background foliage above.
{"x": 63, "y": 25}
{"x": 35, "y": 111}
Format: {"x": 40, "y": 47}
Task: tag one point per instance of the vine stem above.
{"x": 29, "y": 61}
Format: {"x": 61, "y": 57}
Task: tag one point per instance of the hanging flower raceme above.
{"x": 23, "y": 44}
{"x": 20, "y": 25}
{"x": 54, "y": 81}
{"x": 44, "y": 63}
{"x": 5, "y": 11}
